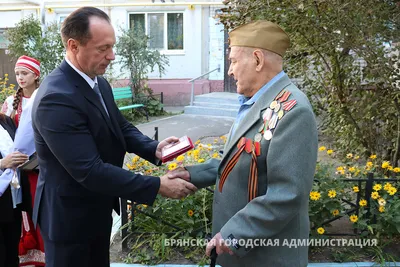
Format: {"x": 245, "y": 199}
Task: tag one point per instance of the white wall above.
{"x": 216, "y": 49}
{"x": 201, "y": 52}
{"x": 8, "y": 19}
{"x": 182, "y": 65}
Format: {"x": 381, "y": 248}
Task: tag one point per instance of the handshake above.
{"x": 175, "y": 184}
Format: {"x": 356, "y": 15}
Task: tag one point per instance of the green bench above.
{"x": 122, "y": 93}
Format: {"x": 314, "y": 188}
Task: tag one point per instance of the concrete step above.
{"x": 211, "y": 111}
{"x": 218, "y": 97}
{"x": 216, "y": 105}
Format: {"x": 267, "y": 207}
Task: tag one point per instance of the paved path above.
{"x": 194, "y": 126}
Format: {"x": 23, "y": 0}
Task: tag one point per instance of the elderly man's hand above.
{"x": 179, "y": 173}
{"x": 218, "y": 242}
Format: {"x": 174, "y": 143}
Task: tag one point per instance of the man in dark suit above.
{"x": 81, "y": 140}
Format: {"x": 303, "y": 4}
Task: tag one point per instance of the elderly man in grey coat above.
{"x": 263, "y": 181}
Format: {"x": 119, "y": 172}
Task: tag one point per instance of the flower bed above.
{"x": 374, "y": 214}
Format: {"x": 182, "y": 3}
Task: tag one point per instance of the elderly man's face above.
{"x": 243, "y": 70}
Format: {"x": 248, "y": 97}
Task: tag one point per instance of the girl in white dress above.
{"x": 27, "y": 72}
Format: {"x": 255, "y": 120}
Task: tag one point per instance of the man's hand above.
{"x": 175, "y": 188}
{"x": 163, "y": 143}
{"x": 219, "y": 244}
{"x": 179, "y": 173}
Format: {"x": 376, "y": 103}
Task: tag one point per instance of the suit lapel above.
{"x": 253, "y": 115}
{"x": 111, "y": 108}
{"x": 88, "y": 92}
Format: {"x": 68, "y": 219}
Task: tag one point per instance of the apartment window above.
{"x": 164, "y": 29}
{"x": 61, "y": 18}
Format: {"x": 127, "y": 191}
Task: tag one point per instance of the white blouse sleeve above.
{"x": 7, "y": 107}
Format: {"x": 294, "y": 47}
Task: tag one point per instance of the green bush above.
{"x": 28, "y": 38}
{"x": 344, "y": 53}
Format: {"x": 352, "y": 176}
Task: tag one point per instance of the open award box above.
{"x": 171, "y": 151}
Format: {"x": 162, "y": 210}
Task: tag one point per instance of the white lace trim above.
{"x": 33, "y": 256}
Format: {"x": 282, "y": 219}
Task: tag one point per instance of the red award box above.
{"x": 171, "y": 151}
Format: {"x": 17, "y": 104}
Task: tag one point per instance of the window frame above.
{"x": 165, "y": 50}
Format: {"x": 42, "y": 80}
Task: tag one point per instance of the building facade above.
{"x": 186, "y": 32}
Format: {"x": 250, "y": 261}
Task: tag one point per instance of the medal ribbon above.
{"x": 243, "y": 145}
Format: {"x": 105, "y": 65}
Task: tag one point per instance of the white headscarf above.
{"x": 23, "y": 142}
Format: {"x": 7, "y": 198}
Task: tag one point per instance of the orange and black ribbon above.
{"x": 245, "y": 144}
{"x": 231, "y": 163}
{"x": 253, "y": 175}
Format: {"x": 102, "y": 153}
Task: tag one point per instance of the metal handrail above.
{"x": 194, "y": 79}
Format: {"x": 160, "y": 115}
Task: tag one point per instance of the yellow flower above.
{"x": 144, "y": 205}
{"x": 130, "y": 167}
{"x": 369, "y": 164}
{"x": 382, "y": 202}
{"x": 6, "y": 75}
{"x": 373, "y": 156}
{"x": 197, "y": 142}
{"x": 377, "y": 187}
{"x": 180, "y": 158}
{"x": 356, "y": 157}
{"x": 315, "y": 195}
{"x": 200, "y": 160}
{"x": 135, "y": 159}
{"x": 332, "y": 193}
{"x": 172, "y": 166}
{"x": 375, "y": 195}
{"x": 349, "y": 156}
{"x": 381, "y": 209}
{"x": 190, "y": 153}
{"x": 321, "y": 230}
{"x": 196, "y": 152}
{"x": 356, "y": 189}
{"x": 322, "y": 148}
{"x": 352, "y": 169}
{"x": 385, "y": 164}
{"x": 340, "y": 168}
{"x": 215, "y": 155}
{"x": 215, "y": 140}
{"x": 396, "y": 170}
{"x": 390, "y": 168}
{"x": 353, "y": 218}
{"x": 190, "y": 213}
{"x": 329, "y": 152}
{"x": 387, "y": 186}
{"x": 335, "y": 212}
{"x": 363, "y": 203}
{"x": 392, "y": 191}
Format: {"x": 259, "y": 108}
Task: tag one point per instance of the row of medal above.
{"x": 277, "y": 109}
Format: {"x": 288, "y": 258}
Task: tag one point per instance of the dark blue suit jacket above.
{"x": 81, "y": 151}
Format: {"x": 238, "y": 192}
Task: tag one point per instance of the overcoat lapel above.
{"x": 253, "y": 116}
